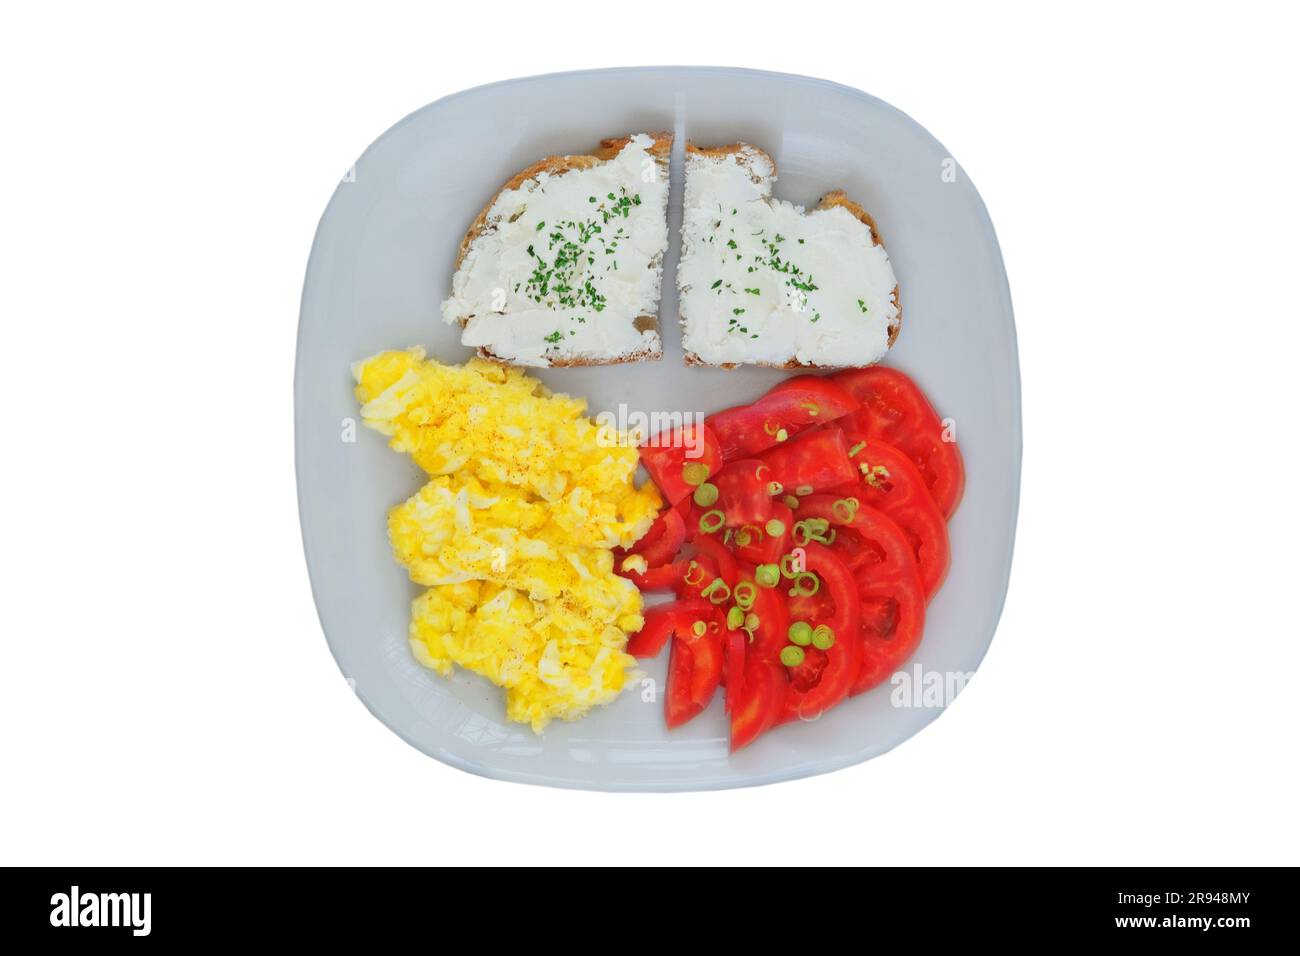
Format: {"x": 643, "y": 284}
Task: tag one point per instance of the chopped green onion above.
{"x": 699, "y": 628}
{"x": 801, "y": 633}
{"x": 806, "y": 584}
{"x": 717, "y": 592}
{"x": 823, "y": 638}
{"x": 752, "y": 621}
{"x": 695, "y": 472}
{"x": 844, "y": 509}
{"x": 774, "y": 488}
{"x": 857, "y": 448}
{"x": 745, "y": 537}
{"x": 791, "y": 502}
{"x": 690, "y": 570}
{"x": 787, "y": 566}
{"x": 745, "y": 593}
{"x": 811, "y": 408}
{"x": 735, "y": 618}
{"x": 706, "y": 494}
{"x": 775, "y": 527}
{"x": 812, "y": 529}
{"x": 791, "y": 656}
{"x": 782, "y": 434}
{"x": 711, "y": 521}
{"x": 803, "y": 490}
{"x": 768, "y": 575}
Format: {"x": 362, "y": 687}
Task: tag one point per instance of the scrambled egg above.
{"x": 512, "y": 534}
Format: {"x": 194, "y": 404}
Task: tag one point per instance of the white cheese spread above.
{"x": 567, "y": 264}
{"x": 761, "y": 281}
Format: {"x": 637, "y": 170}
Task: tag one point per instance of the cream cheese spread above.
{"x": 761, "y": 281}
{"x": 568, "y": 263}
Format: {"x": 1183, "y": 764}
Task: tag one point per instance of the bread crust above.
{"x": 836, "y": 197}
{"x": 660, "y": 149}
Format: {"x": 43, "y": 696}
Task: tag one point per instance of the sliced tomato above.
{"x": 743, "y": 495}
{"x": 896, "y": 411}
{"x": 756, "y": 544}
{"x": 664, "y": 620}
{"x": 694, "y": 670}
{"x": 734, "y": 675}
{"x": 867, "y": 540}
{"x": 793, "y": 405}
{"x": 891, "y": 484}
{"x": 757, "y": 707}
{"x": 723, "y": 560}
{"x": 773, "y": 617}
{"x": 662, "y": 578}
{"x": 892, "y": 618}
{"x": 664, "y": 539}
{"x": 665, "y": 455}
{"x": 826, "y": 676}
{"x": 814, "y": 461}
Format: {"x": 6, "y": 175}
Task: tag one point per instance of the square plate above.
{"x": 382, "y": 262}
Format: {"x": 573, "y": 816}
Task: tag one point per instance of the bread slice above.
{"x": 563, "y": 267}
{"x": 762, "y": 282}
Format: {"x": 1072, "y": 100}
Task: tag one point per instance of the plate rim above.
{"x": 720, "y": 782}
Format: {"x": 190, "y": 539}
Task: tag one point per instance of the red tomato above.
{"x": 892, "y": 598}
{"x": 893, "y": 619}
{"x": 722, "y": 559}
{"x": 773, "y": 618}
{"x": 879, "y": 548}
{"x": 896, "y": 411}
{"x": 758, "y": 707}
{"x": 664, "y": 539}
{"x": 828, "y": 675}
{"x": 743, "y": 495}
{"x": 894, "y": 486}
{"x": 658, "y": 579}
{"x": 735, "y": 672}
{"x": 761, "y": 546}
{"x": 664, "y": 620}
{"x": 816, "y": 460}
{"x": 794, "y": 405}
{"x": 694, "y": 669}
{"x": 664, "y": 456}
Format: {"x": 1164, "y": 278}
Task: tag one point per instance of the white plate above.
{"x": 382, "y": 261}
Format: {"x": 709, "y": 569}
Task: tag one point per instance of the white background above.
{"x": 167, "y": 694}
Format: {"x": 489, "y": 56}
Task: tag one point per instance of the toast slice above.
{"x": 564, "y": 265}
{"x": 762, "y": 282}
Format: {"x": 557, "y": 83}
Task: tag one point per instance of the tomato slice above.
{"x": 896, "y": 411}
{"x": 891, "y": 484}
{"x": 814, "y": 461}
{"x": 758, "y": 706}
{"x": 722, "y": 559}
{"x": 658, "y": 579}
{"x": 694, "y": 670}
{"x": 891, "y": 596}
{"x": 773, "y": 617}
{"x": 664, "y": 539}
{"x": 759, "y": 545}
{"x": 794, "y": 405}
{"x": 664, "y": 620}
{"x": 880, "y": 548}
{"x": 892, "y": 621}
{"x": 829, "y": 674}
{"x": 664, "y": 456}
{"x": 743, "y": 495}
{"x": 735, "y": 672}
